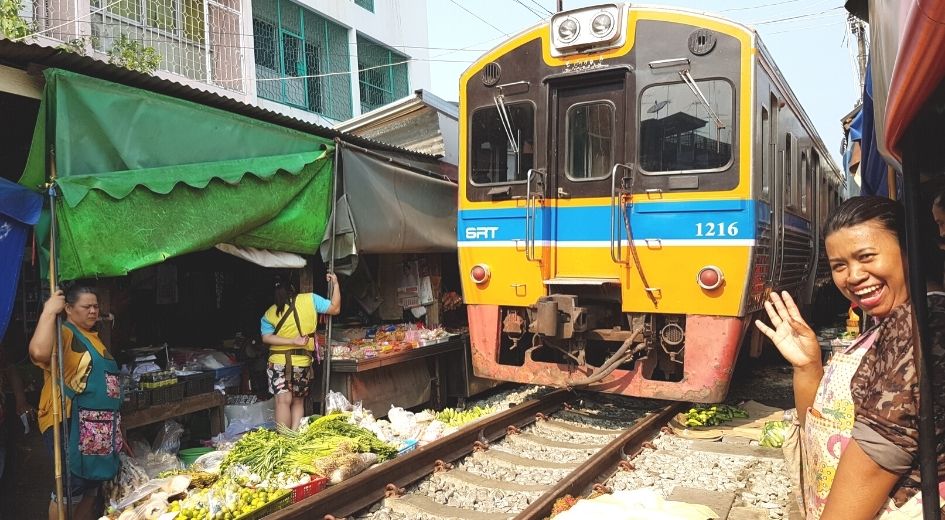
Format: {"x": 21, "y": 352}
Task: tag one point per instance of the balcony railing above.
{"x": 198, "y": 39}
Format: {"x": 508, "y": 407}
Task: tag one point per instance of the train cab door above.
{"x": 775, "y": 165}
{"x": 590, "y": 132}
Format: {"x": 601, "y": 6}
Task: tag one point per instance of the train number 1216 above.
{"x": 716, "y": 229}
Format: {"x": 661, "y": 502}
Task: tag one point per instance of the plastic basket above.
{"x": 283, "y": 501}
{"x": 229, "y": 375}
{"x": 196, "y": 384}
{"x": 189, "y": 455}
{"x": 156, "y": 396}
{"x": 303, "y": 491}
{"x": 175, "y": 392}
{"x": 164, "y": 395}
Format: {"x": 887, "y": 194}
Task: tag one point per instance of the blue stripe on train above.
{"x": 688, "y": 220}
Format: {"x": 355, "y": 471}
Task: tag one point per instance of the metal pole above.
{"x": 57, "y": 376}
{"x": 560, "y": 5}
{"x": 326, "y": 368}
{"x": 928, "y": 467}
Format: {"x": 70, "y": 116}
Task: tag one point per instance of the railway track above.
{"x": 514, "y": 464}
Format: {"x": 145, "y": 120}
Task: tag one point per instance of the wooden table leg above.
{"x": 216, "y": 421}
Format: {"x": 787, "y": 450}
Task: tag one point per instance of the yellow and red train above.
{"x": 633, "y": 182}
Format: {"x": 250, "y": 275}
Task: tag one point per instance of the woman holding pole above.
{"x": 288, "y": 327}
{"x": 93, "y": 396}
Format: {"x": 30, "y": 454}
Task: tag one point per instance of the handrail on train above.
{"x": 615, "y": 253}
{"x": 531, "y": 211}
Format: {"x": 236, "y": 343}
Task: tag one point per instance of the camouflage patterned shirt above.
{"x": 886, "y": 395}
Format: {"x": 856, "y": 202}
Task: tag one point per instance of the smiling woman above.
{"x": 867, "y": 393}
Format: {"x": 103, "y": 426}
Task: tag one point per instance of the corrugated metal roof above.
{"x": 411, "y": 122}
{"x": 25, "y": 55}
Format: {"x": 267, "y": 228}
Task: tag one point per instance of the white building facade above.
{"x": 321, "y": 61}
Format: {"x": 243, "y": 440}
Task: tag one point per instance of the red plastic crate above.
{"x": 303, "y": 491}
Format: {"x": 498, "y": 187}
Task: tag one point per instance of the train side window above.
{"x": 765, "y": 153}
{"x": 681, "y": 132}
{"x": 493, "y": 158}
{"x": 788, "y": 170}
{"x": 805, "y": 182}
{"x": 590, "y": 130}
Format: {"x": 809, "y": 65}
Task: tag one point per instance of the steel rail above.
{"x": 369, "y": 487}
{"x": 602, "y": 464}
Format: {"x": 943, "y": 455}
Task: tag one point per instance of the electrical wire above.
{"x": 758, "y": 6}
{"x": 481, "y": 19}
{"x": 530, "y": 9}
{"x": 76, "y": 19}
{"x": 797, "y": 17}
{"x": 549, "y": 11}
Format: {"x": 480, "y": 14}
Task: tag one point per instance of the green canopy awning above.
{"x": 145, "y": 177}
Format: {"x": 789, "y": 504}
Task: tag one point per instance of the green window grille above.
{"x": 302, "y": 59}
{"x": 382, "y": 74}
{"x": 367, "y": 4}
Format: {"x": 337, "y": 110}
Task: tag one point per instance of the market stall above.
{"x": 163, "y": 202}
{"x": 397, "y": 267}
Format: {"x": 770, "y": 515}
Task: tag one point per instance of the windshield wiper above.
{"x": 506, "y": 121}
{"x": 691, "y": 83}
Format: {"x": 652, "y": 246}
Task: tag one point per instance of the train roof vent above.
{"x": 491, "y": 73}
{"x": 701, "y": 42}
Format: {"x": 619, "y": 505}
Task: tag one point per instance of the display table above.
{"x": 454, "y": 344}
{"x": 212, "y": 401}
{"x": 410, "y": 378}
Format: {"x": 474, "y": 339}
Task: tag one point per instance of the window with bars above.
{"x": 181, "y": 18}
{"x": 367, "y": 4}
{"x": 382, "y": 74}
{"x": 301, "y": 59}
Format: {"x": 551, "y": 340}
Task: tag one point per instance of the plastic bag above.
{"x": 168, "y": 439}
{"x": 209, "y": 462}
{"x": 404, "y": 423}
{"x": 337, "y": 402}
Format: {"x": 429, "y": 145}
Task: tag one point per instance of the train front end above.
{"x": 606, "y": 224}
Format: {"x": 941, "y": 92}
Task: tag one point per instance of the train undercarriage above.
{"x": 586, "y": 341}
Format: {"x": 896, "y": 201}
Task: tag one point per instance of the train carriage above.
{"x": 634, "y": 181}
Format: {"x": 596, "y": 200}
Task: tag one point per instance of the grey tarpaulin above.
{"x": 389, "y": 207}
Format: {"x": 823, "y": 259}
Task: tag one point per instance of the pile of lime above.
{"x": 223, "y": 501}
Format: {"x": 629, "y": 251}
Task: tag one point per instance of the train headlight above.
{"x": 568, "y": 30}
{"x": 710, "y": 277}
{"x": 602, "y": 24}
{"x": 480, "y": 274}
{"x": 589, "y": 29}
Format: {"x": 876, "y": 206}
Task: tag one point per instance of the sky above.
{"x": 809, "y": 40}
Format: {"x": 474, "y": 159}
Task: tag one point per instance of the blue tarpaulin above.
{"x": 19, "y": 211}
{"x": 873, "y": 169}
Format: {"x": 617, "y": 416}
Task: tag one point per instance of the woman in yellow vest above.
{"x": 288, "y": 327}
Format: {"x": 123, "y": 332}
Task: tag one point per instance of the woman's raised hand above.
{"x": 791, "y": 334}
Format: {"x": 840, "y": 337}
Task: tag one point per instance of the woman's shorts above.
{"x": 78, "y": 486}
{"x": 300, "y": 384}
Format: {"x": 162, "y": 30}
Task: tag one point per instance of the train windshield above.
{"x": 686, "y": 127}
{"x": 494, "y": 159}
